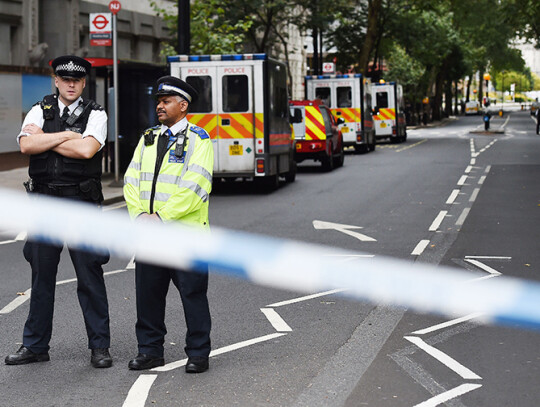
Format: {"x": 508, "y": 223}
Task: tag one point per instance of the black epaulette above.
{"x": 149, "y": 135}
{"x": 93, "y": 105}
{"x": 47, "y": 105}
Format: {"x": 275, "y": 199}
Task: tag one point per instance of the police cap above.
{"x": 71, "y": 66}
{"x": 170, "y": 85}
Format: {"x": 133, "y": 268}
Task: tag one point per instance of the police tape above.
{"x": 276, "y": 263}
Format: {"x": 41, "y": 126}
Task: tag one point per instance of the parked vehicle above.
{"x": 472, "y": 107}
{"x": 349, "y": 98}
{"x": 316, "y": 133}
{"x": 243, "y": 105}
{"x": 389, "y": 111}
{"x": 534, "y": 107}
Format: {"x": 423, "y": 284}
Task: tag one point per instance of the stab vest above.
{"x": 51, "y": 167}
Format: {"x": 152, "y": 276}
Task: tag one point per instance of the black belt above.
{"x": 57, "y": 189}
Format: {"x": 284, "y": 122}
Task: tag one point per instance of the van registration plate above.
{"x": 236, "y": 149}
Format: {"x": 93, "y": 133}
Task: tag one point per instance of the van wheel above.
{"x": 291, "y": 175}
{"x": 328, "y": 163}
{"x": 361, "y": 149}
{"x": 269, "y": 183}
{"x": 338, "y": 161}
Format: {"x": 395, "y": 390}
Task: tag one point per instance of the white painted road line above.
{"x": 482, "y": 179}
{"x": 474, "y": 194}
{"x": 139, "y": 391}
{"x": 447, "y": 324}
{"x": 27, "y": 294}
{"x": 468, "y": 169}
{"x": 305, "y": 298}
{"x": 489, "y": 257}
{"x": 420, "y": 247}
{"x": 449, "y": 395}
{"x": 21, "y": 299}
{"x": 225, "y": 349}
{"x": 438, "y": 220}
{"x": 452, "y": 197}
{"x": 444, "y": 358}
{"x": 319, "y": 224}
{"x": 483, "y": 266}
{"x": 275, "y": 319}
{"x": 462, "y": 180}
{"x": 461, "y": 220}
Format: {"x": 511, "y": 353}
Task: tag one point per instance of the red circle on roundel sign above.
{"x": 100, "y": 22}
{"x": 115, "y": 6}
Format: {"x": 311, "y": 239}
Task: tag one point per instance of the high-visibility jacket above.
{"x": 180, "y": 190}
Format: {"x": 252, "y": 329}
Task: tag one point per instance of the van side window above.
{"x": 344, "y": 96}
{"x": 324, "y": 95}
{"x": 382, "y": 100}
{"x": 203, "y": 103}
{"x": 235, "y": 93}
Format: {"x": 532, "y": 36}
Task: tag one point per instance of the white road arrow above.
{"x": 319, "y": 224}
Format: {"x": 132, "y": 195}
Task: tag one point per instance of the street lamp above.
{"x": 487, "y": 77}
{"x": 502, "y": 72}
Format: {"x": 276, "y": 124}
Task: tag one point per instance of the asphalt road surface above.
{"x": 446, "y": 196}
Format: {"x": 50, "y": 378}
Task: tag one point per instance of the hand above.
{"x": 32, "y": 129}
{"x": 146, "y": 217}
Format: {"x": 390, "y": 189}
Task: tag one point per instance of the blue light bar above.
{"x": 175, "y": 58}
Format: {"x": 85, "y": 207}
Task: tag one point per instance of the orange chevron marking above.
{"x": 386, "y": 114}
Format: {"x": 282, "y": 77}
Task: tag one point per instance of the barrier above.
{"x": 275, "y": 263}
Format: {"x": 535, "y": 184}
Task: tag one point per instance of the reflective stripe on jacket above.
{"x": 182, "y": 186}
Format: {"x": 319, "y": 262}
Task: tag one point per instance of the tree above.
{"x": 211, "y": 33}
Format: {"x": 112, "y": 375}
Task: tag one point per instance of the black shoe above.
{"x": 197, "y": 364}
{"x": 144, "y": 361}
{"x": 101, "y": 358}
{"x": 25, "y": 355}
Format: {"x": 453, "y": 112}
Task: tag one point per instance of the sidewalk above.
{"x": 13, "y": 179}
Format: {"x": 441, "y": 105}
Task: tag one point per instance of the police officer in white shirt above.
{"x": 64, "y": 135}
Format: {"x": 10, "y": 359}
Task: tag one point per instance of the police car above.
{"x": 316, "y": 133}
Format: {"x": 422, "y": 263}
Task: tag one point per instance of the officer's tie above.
{"x": 65, "y": 114}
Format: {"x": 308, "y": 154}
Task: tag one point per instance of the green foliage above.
{"x": 403, "y": 68}
{"x": 504, "y": 79}
{"x": 211, "y": 32}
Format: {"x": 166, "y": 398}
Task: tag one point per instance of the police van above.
{"x": 349, "y": 97}
{"x": 243, "y": 105}
{"x": 389, "y": 117}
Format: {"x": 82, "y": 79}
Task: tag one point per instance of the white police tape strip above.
{"x": 272, "y": 262}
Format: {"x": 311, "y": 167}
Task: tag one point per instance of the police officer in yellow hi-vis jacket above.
{"x": 169, "y": 180}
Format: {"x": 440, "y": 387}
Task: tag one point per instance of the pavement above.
{"x": 14, "y": 178}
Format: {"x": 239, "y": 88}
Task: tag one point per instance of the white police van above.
{"x": 243, "y": 105}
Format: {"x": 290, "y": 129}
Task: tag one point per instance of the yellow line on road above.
{"x": 412, "y": 145}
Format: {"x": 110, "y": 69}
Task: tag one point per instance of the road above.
{"x": 446, "y": 196}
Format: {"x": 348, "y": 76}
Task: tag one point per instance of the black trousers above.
{"x": 44, "y": 259}
{"x": 152, "y": 284}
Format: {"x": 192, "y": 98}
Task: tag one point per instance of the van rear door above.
{"x": 236, "y": 119}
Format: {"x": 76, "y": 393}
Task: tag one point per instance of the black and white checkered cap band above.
{"x": 185, "y": 95}
{"x": 70, "y": 67}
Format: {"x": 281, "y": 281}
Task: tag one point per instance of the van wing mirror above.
{"x": 340, "y": 120}
{"x": 375, "y": 110}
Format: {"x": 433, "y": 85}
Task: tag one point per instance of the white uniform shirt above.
{"x": 96, "y": 126}
{"x": 176, "y": 128}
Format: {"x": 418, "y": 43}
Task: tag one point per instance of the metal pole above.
{"x": 184, "y": 33}
{"x": 115, "y": 80}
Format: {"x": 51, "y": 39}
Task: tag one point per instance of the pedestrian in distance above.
{"x": 169, "y": 180}
{"x": 64, "y": 134}
{"x": 537, "y": 114}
